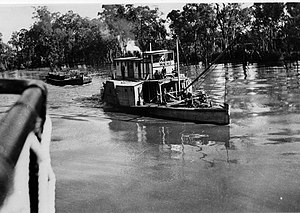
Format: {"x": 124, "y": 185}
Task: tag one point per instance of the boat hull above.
{"x": 219, "y": 116}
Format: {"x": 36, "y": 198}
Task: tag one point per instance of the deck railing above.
{"x": 27, "y": 181}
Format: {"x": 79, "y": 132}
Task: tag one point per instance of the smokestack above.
{"x": 131, "y": 47}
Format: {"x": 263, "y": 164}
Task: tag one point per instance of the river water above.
{"x": 114, "y": 162}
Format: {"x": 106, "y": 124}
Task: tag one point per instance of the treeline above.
{"x": 268, "y": 31}
{"x": 57, "y": 40}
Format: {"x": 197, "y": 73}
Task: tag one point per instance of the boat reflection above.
{"x": 175, "y": 140}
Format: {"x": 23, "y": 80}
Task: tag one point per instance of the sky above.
{"x": 16, "y": 16}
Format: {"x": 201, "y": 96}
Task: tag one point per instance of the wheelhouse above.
{"x": 153, "y": 65}
{"x": 156, "y": 61}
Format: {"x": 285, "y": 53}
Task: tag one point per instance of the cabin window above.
{"x": 147, "y": 58}
{"x": 158, "y": 58}
{"x": 130, "y": 69}
{"x": 169, "y": 57}
{"x": 147, "y": 69}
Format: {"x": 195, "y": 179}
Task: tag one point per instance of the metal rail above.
{"x": 27, "y": 115}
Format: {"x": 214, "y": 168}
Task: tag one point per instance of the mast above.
{"x": 178, "y": 70}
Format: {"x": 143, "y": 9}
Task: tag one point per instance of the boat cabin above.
{"x": 138, "y": 93}
{"x": 153, "y": 65}
{"x": 129, "y": 94}
{"x": 123, "y": 93}
{"x": 150, "y": 79}
{"x": 128, "y": 68}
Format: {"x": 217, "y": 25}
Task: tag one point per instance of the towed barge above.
{"x": 62, "y": 78}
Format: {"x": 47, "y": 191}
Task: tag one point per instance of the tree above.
{"x": 6, "y": 56}
{"x": 141, "y": 24}
{"x": 22, "y": 45}
{"x": 41, "y": 35}
{"x": 291, "y": 30}
{"x": 119, "y": 26}
{"x": 231, "y": 20}
{"x": 196, "y": 28}
{"x": 268, "y": 24}
{"x": 149, "y": 27}
{"x": 58, "y": 40}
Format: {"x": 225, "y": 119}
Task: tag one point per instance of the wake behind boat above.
{"x": 68, "y": 78}
{"x": 152, "y": 86}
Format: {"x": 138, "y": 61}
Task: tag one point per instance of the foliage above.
{"x": 195, "y": 27}
{"x": 7, "y": 56}
{"x": 291, "y": 30}
{"x": 208, "y": 28}
{"x": 268, "y": 24}
{"x": 231, "y": 20}
{"x": 141, "y": 23}
{"x": 269, "y": 31}
{"x": 58, "y": 40}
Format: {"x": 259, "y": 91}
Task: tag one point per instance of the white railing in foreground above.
{"x": 27, "y": 181}
{"x": 18, "y": 200}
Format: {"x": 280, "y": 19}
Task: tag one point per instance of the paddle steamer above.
{"x": 153, "y": 86}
